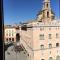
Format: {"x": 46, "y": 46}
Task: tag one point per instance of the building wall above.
{"x": 32, "y": 36}
{"x": 12, "y": 32}
{"x": 46, "y": 52}
{"x": 27, "y": 41}
{"x": 46, "y": 32}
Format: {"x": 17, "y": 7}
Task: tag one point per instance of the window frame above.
{"x": 41, "y": 36}
{"x": 57, "y": 35}
{"x": 9, "y": 39}
{"x": 57, "y": 44}
{"x": 42, "y": 46}
{"x": 13, "y": 39}
{"x": 50, "y": 45}
{"x": 50, "y": 36}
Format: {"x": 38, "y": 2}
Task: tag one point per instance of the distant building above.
{"x": 41, "y": 37}
{"x": 12, "y": 33}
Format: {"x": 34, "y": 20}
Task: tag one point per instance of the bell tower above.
{"x": 46, "y": 14}
{"x": 46, "y": 4}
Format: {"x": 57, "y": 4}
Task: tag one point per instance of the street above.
{"x": 10, "y": 54}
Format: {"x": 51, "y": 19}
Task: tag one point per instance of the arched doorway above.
{"x": 17, "y": 37}
{"x": 58, "y": 57}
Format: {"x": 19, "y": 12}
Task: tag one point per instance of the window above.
{"x": 41, "y": 28}
{"x": 47, "y": 5}
{"x": 57, "y": 35}
{"x": 50, "y": 45}
{"x": 9, "y": 30}
{"x": 9, "y": 39}
{"x": 57, "y": 44}
{"x": 47, "y": 14}
{"x": 12, "y": 34}
{"x": 41, "y": 36}
{"x": 12, "y": 39}
{"x": 42, "y": 46}
{"x": 49, "y": 36}
{"x": 9, "y": 34}
{"x": 6, "y": 30}
{"x": 6, "y": 34}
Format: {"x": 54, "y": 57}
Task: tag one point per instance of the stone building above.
{"x": 11, "y": 33}
{"x": 41, "y": 37}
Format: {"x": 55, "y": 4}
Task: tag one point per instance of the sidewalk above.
{"x": 15, "y": 56}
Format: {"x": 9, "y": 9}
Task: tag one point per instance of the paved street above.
{"x": 15, "y": 56}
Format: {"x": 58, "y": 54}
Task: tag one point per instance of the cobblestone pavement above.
{"x": 10, "y": 54}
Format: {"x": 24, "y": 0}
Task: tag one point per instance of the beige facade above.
{"x": 41, "y": 38}
{"x": 10, "y": 33}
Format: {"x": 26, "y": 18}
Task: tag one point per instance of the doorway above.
{"x": 17, "y": 37}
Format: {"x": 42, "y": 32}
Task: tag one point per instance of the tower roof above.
{"x": 46, "y": 14}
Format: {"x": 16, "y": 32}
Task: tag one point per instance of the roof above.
{"x": 10, "y": 26}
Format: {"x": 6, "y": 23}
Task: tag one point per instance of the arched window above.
{"x": 47, "y": 5}
{"x": 41, "y": 36}
{"x": 47, "y": 14}
{"x": 49, "y": 36}
{"x": 58, "y": 57}
{"x": 50, "y": 58}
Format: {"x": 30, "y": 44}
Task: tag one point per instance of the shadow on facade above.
{"x": 17, "y": 37}
{"x": 25, "y": 51}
